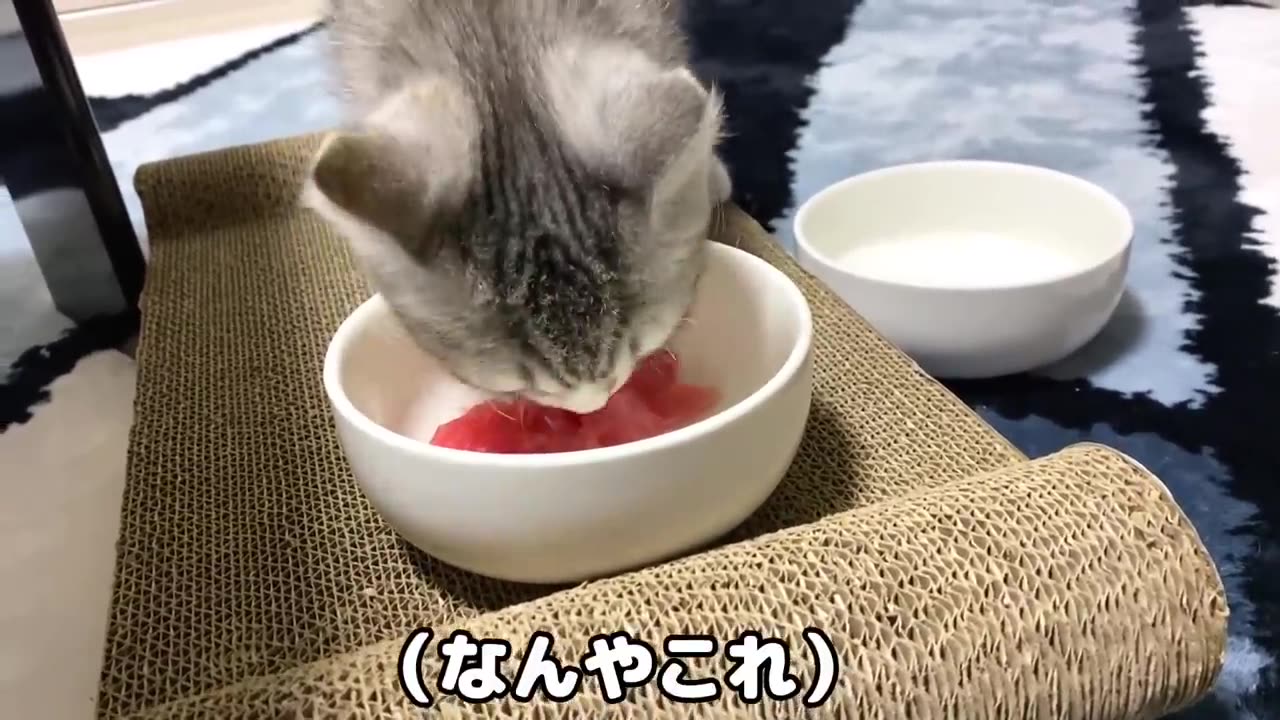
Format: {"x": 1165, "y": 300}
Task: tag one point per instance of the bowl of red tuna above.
{"x": 695, "y": 440}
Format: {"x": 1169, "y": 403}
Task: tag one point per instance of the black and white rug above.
{"x": 1174, "y": 106}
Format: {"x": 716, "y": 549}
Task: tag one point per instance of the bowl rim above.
{"x": 1106, "y": 199}
{"x": 337, "y": 349}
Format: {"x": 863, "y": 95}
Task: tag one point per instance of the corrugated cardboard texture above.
{"x": 953, "y": 578}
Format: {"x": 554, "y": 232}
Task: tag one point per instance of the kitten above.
{"x": 527, "y": 182}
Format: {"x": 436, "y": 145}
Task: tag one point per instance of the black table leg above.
{"x": 55, "y": 168}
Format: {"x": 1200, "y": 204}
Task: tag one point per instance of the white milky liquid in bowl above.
{"x": 958, "y": 259}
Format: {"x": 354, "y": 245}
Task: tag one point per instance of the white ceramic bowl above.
{"x": 572, "y": 516}
{"x": 973, "y": 268}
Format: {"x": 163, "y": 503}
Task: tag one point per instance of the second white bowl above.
{"x": 973, "y": 268}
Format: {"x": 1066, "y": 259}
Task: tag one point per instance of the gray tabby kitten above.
{"x": 527, "y": 182}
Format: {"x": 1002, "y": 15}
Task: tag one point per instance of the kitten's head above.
{"x": 537, "y": 236}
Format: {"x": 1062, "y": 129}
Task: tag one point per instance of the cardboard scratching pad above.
{"x": 949, "y": 576}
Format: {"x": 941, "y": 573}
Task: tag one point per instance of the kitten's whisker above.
{"x": 494, "y": 406}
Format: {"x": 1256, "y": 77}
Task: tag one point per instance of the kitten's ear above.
{"x": 647, "y": 127}
{"x": 392, "y": 174}
{"x": 359, "y": 176}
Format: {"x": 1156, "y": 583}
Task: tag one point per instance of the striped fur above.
{"x": 527, "y": 183}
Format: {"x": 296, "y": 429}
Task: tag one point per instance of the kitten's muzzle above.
{"x": 580, "y": 400}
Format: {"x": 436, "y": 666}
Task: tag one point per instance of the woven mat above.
{"x": 952, "y": 577}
